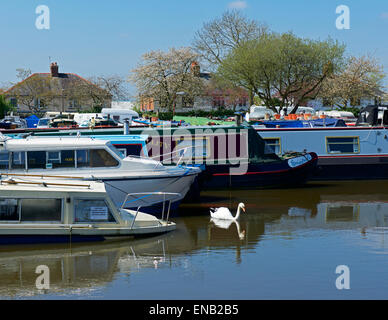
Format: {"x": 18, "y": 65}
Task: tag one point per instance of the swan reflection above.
{"x": 225, "y": 224}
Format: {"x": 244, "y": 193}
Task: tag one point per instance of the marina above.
{"x": 193, "y": 158}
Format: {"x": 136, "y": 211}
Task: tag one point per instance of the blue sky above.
{"x": 108, "y": 37}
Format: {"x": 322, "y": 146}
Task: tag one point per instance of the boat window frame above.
{"x": 11, "y": 160}
{"x": 113, "y": 155}
{"x": 274, "y": 138}
{"x": 111, "y": 208}
{"x": 26, "y": 168}
{"x": 123, "y": 151}
{"x": 57, "y": 159}
{"x": 109, "y": 146}
{"x": 192, "y": 139}
{"x": 345, "y": 143}
{"x": 19, "y": 209}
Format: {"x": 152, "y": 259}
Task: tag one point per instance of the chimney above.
{"x": 195, "y": 69}
{"x": 54, "y": 69}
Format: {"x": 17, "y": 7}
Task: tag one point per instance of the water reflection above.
{"x": 74, "y": 269}
{"x": 225, "y": 224}
{"x": 84, "y": 269}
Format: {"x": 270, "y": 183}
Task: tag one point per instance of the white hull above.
{"x": 118, "y": 189}
{"x": 37, "y": 158}
{"x": 119, "y": 184}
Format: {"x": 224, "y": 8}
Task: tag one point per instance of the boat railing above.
{"x": 11, "y": 181}
{"x": 175, "y": 151}
{"x": 42, "y": 176}
{"x": 144, "y": 197}
{"x": 164, "y": 154}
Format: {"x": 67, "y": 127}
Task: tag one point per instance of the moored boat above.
{"x": 57, "y": 210}
{"x": 91, "y": 159}
{"x": 230, "y": 156}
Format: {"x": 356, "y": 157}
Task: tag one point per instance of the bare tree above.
{"x": 87, "y": 93}
{"x": 164, "y": 75}
{"x": 219, "y": 36}
{"x": 114, "y": 84}
{"x": 22, "y": 74}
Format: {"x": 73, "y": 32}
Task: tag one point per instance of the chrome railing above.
{"x": 166, "y": 197}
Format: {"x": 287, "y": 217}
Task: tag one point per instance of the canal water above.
{"x": 287, "y": 245}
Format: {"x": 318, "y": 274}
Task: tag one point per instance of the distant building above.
{"x": 54, "y": 91}
{"x": 212, "y": 99}
{"x": 123, "y": 105}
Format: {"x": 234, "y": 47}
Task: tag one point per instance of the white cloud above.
{"x": 238, "y": 4}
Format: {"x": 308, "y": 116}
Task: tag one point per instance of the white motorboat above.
{"x": 70, "y": 210}
{"x": 90, "y": 159}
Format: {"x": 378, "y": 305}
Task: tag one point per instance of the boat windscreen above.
{"x": 259, "y": 151}
{"x": 114, "y": 149}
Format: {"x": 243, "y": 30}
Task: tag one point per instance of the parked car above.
{"x": 13, "y": 122}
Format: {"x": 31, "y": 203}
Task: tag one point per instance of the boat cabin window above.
{"x": 60, "y": 159}
{"x": 36, "y": 159}
{"x": 343, "y": 144}
{"x": 4, "y": 160}
{"x": 92, "y": 158}
{"x": 95, "y": 158}
{"x": 9, "y": 210}
{"x": 115, "y": 150}
{"x": 41, "y": 210}
{"x": 92, "y": 210}
{"x": 50, "y": 159}
{"x": 18, "y": 160}
{"x": 31, "y": 210}
{"x": 123, "y": 151}
{"x": 274, "y": 145}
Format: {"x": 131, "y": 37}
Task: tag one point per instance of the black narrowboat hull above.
{"x": 352, "y": 168}
{"x": 271, "y": 175}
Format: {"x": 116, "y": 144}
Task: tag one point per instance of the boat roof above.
{"x": 53, "y": 143}
{"x": 115, "y": 139}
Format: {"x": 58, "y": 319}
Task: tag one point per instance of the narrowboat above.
{"x": 344, "y": 153}
{"x": 230, "y": 156}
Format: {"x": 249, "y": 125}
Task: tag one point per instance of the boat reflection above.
{"x": 77, "y": 269}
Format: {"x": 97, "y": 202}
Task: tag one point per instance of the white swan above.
{"x": 225, "y": 214}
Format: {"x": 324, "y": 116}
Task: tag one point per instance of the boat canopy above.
{"x": 373, "y": 115}
{"x": 327, "y": 122}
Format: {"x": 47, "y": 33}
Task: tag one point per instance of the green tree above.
{"x": 218, "y": 37}
{"x": 5, "y": 107}
{"x": 282, "y": 67}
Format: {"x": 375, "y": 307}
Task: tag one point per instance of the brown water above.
{"x": 286, "y": 246}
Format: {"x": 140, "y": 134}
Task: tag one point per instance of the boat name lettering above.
{"x": 298, "y": 161}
